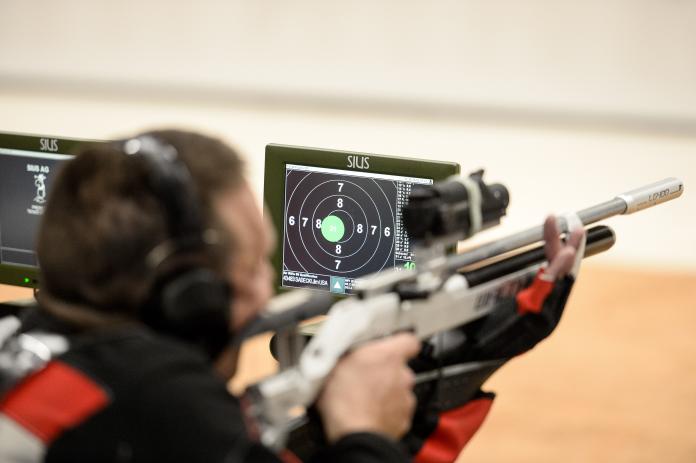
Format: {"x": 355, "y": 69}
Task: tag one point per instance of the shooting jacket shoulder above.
{"x": 150, "y": 399}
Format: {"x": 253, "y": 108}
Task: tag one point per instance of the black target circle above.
{"x": 338, "y": 224}
{"x": 348, "y": 223}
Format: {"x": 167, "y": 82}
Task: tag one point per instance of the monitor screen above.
{"x": 28, "y": 165}
{"x": 340, "y": 224}
{"x": 25, "y": 178}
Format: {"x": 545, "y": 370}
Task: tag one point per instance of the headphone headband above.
{"x": 172, "y": 183}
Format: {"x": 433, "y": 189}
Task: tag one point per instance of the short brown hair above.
{"x": 102, "y": 219}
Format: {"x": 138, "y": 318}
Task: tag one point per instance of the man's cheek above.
{"x": 261, "y": 287}
{"x": 242, "y": 312}
{"x": 265, "y": 284}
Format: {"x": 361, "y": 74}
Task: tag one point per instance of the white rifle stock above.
{"x": 444, "y": 301}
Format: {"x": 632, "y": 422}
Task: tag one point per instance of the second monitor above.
{"x": 28, "y": 165}
{"x": 339, "y": 213}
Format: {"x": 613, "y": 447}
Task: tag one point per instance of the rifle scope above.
{"x": 457, "y": 206}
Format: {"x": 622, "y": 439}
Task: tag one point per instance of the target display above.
{"x": 341, "y": 225}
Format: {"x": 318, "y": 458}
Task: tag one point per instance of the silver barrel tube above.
{"x": 626, "y": 203}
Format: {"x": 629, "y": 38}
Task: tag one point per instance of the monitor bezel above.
{"x": 19, "y": 275}
{"x": 277, "y": 156}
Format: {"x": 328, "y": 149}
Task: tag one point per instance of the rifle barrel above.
{"x": 626, "y": 203}
{"x": 599, "y": 239}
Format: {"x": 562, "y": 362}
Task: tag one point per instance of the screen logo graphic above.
{"x": 40, "y": 184}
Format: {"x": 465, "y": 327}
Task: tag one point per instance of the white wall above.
{"x": 568, "y": 103}
{"x": 626, "y": 56}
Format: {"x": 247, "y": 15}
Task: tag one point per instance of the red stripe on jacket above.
{"x": 454, "y": 430}
{"x": 54, "y": 399}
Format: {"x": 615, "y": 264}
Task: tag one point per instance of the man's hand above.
{"x": 560, "y": 255}
{"x": 371, "y": 390}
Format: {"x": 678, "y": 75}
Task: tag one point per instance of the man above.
{"x": 132, "y": 385}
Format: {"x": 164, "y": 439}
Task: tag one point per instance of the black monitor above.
{"x": 338, "y": 213}
{"x": 28, "y": 165}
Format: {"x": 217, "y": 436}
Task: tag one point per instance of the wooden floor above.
{"x": 616, "y": 382}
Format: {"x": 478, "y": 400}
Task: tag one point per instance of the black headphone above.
{"x": 189, "y": 299}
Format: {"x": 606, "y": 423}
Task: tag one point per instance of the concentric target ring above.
{"x": 314, "y": 217}
{"x": 287, "y": 229}
{"x": 356, "y": 194}
{"x": 367, "y": 261}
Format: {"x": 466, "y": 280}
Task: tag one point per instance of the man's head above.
{"x": 104, "y": 219}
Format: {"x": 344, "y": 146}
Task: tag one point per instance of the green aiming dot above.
{"x": 332, "y": 228}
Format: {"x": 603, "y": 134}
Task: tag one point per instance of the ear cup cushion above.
{"x": 195, "y": 306}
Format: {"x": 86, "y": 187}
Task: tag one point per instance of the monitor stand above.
{"x": 16, "y": 306}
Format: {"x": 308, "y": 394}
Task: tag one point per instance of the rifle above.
{"x": 443, "y": 292}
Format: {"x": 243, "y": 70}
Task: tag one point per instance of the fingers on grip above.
{"x": 552, "y": 242}
{"x": 561, "y": 264}
{"x": 576, "y": 237}
{"x": 405, "y": 345}
{"x": 560, "y": 256}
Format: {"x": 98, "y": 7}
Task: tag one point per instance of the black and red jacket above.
{"x": 129, "y": 395}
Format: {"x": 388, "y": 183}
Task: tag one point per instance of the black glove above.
{"x": 451, "y": 406}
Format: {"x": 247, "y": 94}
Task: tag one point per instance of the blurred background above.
{"x": 567, "y": 103}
